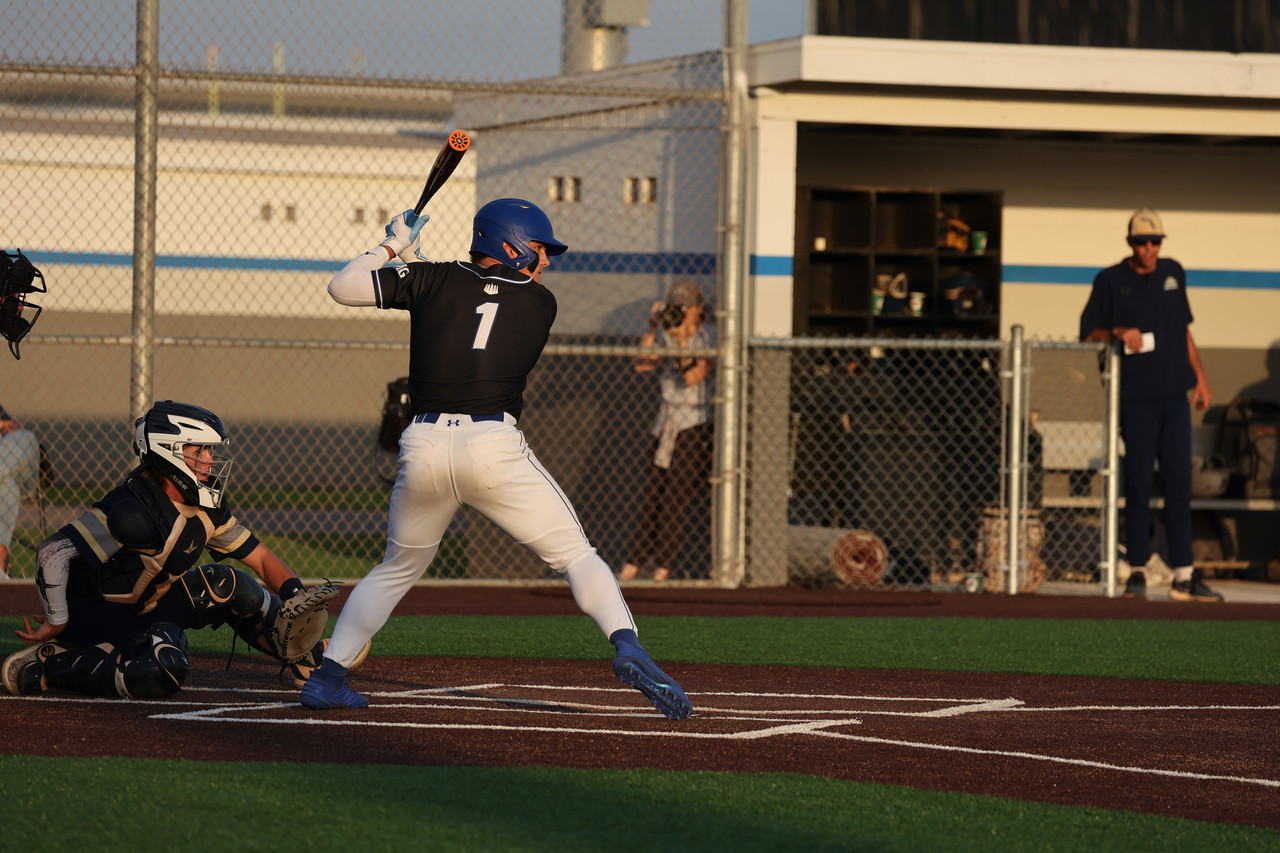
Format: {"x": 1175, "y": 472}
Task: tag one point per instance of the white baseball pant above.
{"x": 488, "y": 466}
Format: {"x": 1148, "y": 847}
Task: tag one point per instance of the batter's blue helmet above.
{"x": 516, "y": 222}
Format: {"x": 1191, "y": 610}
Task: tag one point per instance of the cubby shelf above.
{"x": 850, "y": 239}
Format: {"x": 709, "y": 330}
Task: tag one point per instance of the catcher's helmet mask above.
{"x": 162, "y": 437}
{"x": 515, "y": 222}
{"x": 20, "y": 278}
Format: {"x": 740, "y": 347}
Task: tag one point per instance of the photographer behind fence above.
{"x": 680, "y": 467}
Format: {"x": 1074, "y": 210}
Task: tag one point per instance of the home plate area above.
{"x": 569, "y": 709}
{"x": 1201, "y": 751}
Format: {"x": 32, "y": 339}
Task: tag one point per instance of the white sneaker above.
{"x": 1158, "y": 571}
{"x": 1123, "y": 570}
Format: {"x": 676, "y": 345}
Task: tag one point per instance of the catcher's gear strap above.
{"x": 300, "y": 621}
{"x": 155, "y": 664}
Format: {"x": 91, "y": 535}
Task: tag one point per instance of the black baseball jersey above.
{"x": 475, "y": 333}
{"x": 1153, "y": 302}
{"x": 136, "y": 541}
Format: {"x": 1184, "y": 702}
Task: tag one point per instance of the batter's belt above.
{"x": 432, "y": 417}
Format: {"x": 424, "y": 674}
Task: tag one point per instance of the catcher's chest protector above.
{"x": 160, "y": 540}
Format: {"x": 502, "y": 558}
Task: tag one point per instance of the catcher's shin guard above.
{"x": 87, "y": 669}
{"x": 155, "y": 664}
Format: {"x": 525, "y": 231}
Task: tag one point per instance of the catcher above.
{"x": 121, "y": 583}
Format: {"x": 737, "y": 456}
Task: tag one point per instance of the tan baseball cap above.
{"x": 684, "y": 293}
{"x": 1146, "y": 223}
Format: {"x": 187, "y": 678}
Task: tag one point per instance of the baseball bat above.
{"x": 446, "y": 161}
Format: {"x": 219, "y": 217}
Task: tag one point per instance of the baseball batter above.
{"x": 477, "y": 329}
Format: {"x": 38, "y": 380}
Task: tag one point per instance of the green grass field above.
{"x": 113, "y": 804}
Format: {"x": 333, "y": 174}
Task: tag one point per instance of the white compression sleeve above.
{"x": 53, "y": 568}
{"x": 353, "y": 285}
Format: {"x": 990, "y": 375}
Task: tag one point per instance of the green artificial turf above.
{"x": 128, "y": 805}
{"x": 1232, "y": 652}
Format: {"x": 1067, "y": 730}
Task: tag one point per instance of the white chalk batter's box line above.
{"x": 514, "y": 699}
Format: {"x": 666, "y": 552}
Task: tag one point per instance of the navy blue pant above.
{"x": 668, "y": 492}
{"x": 1154, "y": 430}
{"x": 96, "y": 621}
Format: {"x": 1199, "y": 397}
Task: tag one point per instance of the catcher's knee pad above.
{"x": 217, "y": 593}
{"x": 156, "y": 664}
{"x": 87, "y": 669}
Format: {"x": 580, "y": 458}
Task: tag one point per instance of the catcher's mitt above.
{"x": 301, "y": 619}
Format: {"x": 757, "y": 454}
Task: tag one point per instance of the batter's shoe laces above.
{"x": 1193, "y": 590}
{"x": 23, "y": 671}
{"x": 634, "y": 666}
{"x": 324, "y": 692}
{"x": 1136, "y": 585}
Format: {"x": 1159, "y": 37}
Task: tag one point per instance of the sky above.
{"x": 770, "y": 20}
{"x": 445, "y": 39}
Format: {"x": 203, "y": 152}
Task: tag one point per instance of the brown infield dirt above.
{"x": 1200, "y": 751}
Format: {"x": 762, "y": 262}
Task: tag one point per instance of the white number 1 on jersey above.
{"x": 488, "y": 311}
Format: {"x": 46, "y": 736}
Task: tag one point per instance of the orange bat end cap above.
{"x": 459, "y": 140}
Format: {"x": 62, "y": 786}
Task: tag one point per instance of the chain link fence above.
{"x": 285, "y": 137}
{"x": 1067, "y": 456}
{"x": 897, "y": 442}
{"x": 885, "y": 464}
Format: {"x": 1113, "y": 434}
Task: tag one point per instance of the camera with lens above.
{"x": 673, "y": 315}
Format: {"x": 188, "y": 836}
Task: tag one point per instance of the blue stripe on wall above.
{"x": 1245, "y": 279}
{"x": 669, "y": 263}
{"x": 1037, "y": 274}
{"x": 192, "y": 262}
{"x": 673, "y": 263}
{"x": 771, "y": 265}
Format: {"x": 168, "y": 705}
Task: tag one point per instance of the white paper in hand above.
{"x": 1148, "y": 344}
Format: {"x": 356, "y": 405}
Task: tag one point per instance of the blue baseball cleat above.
{"x": 323, "y": 692}
{"x": 634, "y": 666}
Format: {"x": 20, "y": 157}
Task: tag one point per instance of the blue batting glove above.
{"x": 415, "y": 221}
{"x": 402, "y": 231}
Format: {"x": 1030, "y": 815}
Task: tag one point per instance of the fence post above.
{"x": 1111, "y": 503}
{"x": 729, "y": 569}
{"x": 1017, "y": 453}
{"x": 146, "y": 119}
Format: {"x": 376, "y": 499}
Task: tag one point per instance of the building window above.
{"x": 290, "y": 213}
{"x": 383, "y": 216}
{"x": 357, "y": 216}
{"x": 562, "y": 188}
{"x": 641, "y": 190}
{"x": 265, "y": 213}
